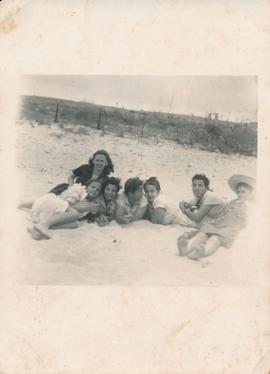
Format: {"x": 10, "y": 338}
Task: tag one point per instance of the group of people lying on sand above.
{"x": 93, "y": 195}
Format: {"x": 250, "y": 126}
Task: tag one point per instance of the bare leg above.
{"x": 27, "y": 204}
{"x": 69, "y": 216}
{"x": 211, "y": 246}
{"x": 197, "y": 241}
{"x": 35, "y": 234}
{"x": 182, "y": 243}
{"x": 179, "y": 221}
{"x": 71, "y": 225}
{"x": 196, "y": 246}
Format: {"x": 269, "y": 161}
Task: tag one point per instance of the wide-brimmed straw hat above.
{"x": 238, "y": 178}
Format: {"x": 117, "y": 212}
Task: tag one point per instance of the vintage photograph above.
{"x": 136, "y": 180}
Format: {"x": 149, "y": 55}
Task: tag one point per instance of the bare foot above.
{"x": 196, "y": 254}
{"x": 35, "y": 234}
{"x": 43, "y": 231}
{"x": 182, "y": 246}
{"x": 25, "y": 205}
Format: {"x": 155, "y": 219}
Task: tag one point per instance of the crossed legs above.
{"x": 66, "y": 220}
{"x": 198, "y": 246}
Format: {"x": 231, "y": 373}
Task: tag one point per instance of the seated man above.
{"x": 131, "y": 205}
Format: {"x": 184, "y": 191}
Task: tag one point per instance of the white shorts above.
{"x": 46, "y": 206}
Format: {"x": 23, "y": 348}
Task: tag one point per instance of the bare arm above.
{"x": 121, "y": 215}
{"x": 27, "y": 204}
{"x": 139, "y": 213}
{"x": 71, "y": 179}
{"x": 187, "y": 205}
{"x": 195, "y": 216}
{"x": 157, "y": 215}
{"x": 86, "y": 206}
{"x": 103, "y": 218}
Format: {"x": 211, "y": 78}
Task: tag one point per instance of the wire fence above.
{"x": 207, "y": 133}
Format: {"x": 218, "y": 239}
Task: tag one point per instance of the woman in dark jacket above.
{"x": 99, "y": 166}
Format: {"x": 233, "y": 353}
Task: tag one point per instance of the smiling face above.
{"x": 110, "y": 192}
{"x": 99, "y": 162}
{"x": 244, "y": 193}
{"x": 93, "y": 189}
{"x": 150, "y": 192}
{"x": 198, "y": 188}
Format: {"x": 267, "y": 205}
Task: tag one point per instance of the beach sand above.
{"x": 138, "y": 254}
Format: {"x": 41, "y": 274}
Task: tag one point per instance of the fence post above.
{"x": 56, "y": 113}
{"x": 99, "y": 119}
{"x": 143, "y": 124}
{"x": 177, "y": 134}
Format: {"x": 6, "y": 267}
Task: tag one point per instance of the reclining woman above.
{"x": 99, "y": 166}
{"x": 131, "y": 205}
{"x": 107, "y": 203}
{"x": 160, "y": 210}
{"x": 63, "y": 211}
{"x": 110, "y": 189}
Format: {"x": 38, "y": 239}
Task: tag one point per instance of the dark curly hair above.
{"x": 203, "y": 178}
{"x": 153, "y": 181}
{"x": 108, "y": 168}
{"x": 111, "y": 180}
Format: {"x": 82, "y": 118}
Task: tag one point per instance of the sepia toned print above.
{"x": 160, "y": 127}
{"x": 110, "y": 297}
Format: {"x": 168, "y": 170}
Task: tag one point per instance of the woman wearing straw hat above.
{"x": 224, "y": 229}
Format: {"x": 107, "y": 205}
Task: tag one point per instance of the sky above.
{"x": 232, "y": 97}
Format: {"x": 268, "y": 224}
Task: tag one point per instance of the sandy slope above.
{"x": 137, "y": 254}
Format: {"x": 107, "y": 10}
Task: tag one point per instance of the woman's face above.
{"x": 93, "y": 189}
{"x": 99, "y": 162}
{"x": 150, "y": 192}
{"x": 110, "y": 192}
{"x": 198, "y": 188}
{"x": 243, "y": 193}
{"x": 137, "y": 195}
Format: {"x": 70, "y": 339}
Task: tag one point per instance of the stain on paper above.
{"x": 8, "y": 24}
{"x": 263, "y": 365}
{"x": 177, "y": 330}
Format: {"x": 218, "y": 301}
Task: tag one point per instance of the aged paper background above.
{"x": 127, "y": 329}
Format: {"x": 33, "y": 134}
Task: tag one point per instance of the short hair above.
{"x": 111, "y": 180}
{"x": 153, "y": 181}
{"x": 132, "y": 185}
{"x": 203, "y": 178}
{"x": 243, "y": 184}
